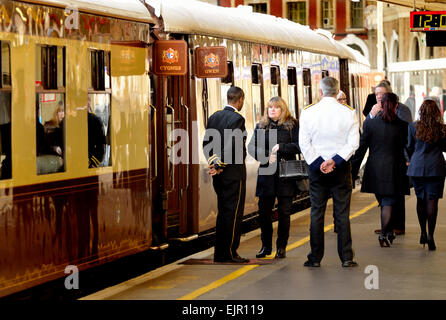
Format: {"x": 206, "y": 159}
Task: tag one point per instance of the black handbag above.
{"x": 293, "y": 169}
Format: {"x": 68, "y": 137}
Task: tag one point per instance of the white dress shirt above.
{"x": 328, "y": 130}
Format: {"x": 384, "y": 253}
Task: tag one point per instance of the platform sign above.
{"x": 427, "y": 21}
{"x": 170, "y": 57}
{"x": 211, "y": 62}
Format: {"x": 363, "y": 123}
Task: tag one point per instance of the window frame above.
{"x": 6, "y": 89}
{"x": 295, "y": 3}
{"x": 258, "y": 82}
{"x": 98, "y": 86}
{"x": 332, "y": 16}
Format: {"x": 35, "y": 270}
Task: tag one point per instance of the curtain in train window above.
{"x": 306, "y": 74}
{"x": 257, "y": 92}
{"x": 99, "y": 109}
{"x": 5, "y": 112}
{"x": 50, "y": 109}
{"x": 275, "y": 81}
{"x": 226, "y": 83}
{"x": 292, "y": 91}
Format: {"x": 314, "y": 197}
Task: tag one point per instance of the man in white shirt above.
{"x": 328, "y": 137}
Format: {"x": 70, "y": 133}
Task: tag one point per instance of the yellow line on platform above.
{"x": 243, "y": 270}
{"x": 219, "y": 282}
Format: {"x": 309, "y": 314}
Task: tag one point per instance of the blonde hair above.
{"x": 284, "y": 115}
{"x": 55, "y": 119}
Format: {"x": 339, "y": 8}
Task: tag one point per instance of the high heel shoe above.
{"x": 391, "y": 237}
{"x": 431, "y": 243}
{"x": 423, "y": 239}
{"x": 383, "y": 242}
{"x": 265, "y": 251}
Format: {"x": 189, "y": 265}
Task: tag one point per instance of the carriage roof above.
{"x": 196, "y": 17}
{"x": 128, "y": 10}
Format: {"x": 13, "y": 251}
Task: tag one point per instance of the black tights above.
{"x": 427, "y": 211}
{"x": 386, "y": 216}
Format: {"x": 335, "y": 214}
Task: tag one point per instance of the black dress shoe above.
{"x": 237, "y": 259}
{"x": 265, "y": 251}
{"x": 280, "y": 254}
{"x": 309, "y": 263}
{"x": 378, "y": 231}
{"x": 349, "y": 264}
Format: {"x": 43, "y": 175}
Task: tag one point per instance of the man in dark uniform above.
{"x": 224, "y": 148}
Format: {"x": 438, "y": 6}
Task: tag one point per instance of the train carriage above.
{"x": 68, "y": 65}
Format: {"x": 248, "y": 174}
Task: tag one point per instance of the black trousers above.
{"x": 231, "y": 203}
{"x": 266, "y": 205}
{"x": 339, "y": 184}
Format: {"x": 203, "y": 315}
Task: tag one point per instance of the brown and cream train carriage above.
{"x": 67, "y": 64}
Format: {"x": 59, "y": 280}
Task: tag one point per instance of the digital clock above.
{"x": 427, "y": 20}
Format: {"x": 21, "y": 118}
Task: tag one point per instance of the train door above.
{"x": 175, "y": 155}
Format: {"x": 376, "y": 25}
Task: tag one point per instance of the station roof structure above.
{"x": 201, "y": 18}
{"x": 425, "y": 5}
{"x": 133, "y": 10}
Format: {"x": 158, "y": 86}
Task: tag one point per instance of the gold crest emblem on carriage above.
{"x": 211, "y": 60}
{"x": 170, "y": 56}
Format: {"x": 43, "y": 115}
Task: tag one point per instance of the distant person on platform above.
{"x": 410, "y": 102}
{"x": 328, "y": 137}
{"x": 435, "y": 95}
{"x": 341, "y": 97}
{"x": 225, "y": 150}
{"x": 371, "y": 99}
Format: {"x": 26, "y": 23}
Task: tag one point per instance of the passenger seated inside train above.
{"x": 96, "y": 138}
{"x": 50, "y": 137}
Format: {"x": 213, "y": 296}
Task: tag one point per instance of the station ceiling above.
{"x": 428, "y": 5}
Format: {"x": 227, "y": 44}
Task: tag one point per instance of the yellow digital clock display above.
{"x": 427, "y": 20}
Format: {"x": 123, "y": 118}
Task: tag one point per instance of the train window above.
{"x": 275, "y": 81}
{"x": 5, "y": 112}
{"x": 229, "y": 79}
{"x": 292, "y": 91}
{"x": 50, "y": 109}
{"x": 5, "y": 65}
{"x": 257, "y": 91}
{"x": 226, "y": 83}
{"x": 325, "y": 73}
{"x": 99, "y": 110}
{"x": 306, "y": 74}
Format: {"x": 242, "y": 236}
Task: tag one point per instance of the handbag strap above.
{"x": 291, "y": 140}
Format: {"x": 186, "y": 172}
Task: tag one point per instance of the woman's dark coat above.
{"x": 426, "y": 159}
{"x": 260, "y": 149}
{"x": 385, "y": 170}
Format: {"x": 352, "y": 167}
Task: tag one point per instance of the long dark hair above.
{"x": 389, "y": 102}
{"x": 430, "y": 127}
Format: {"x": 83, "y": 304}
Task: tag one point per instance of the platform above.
{"x": 406, "y": 270}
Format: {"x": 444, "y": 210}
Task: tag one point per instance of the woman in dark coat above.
{"x": 385, "y": 172}
{"x": 277, "y": 122}
{"x": 426, "y": 144}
